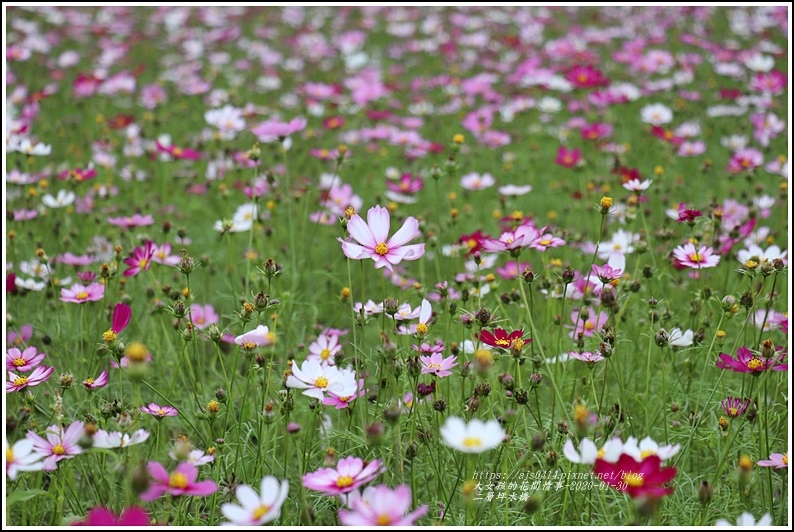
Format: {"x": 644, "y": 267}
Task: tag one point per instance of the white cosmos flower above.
{"x": 316, "y": 379}
{"x": 648, "y": 447}
{"x": 116, "y": 440}
{"x": 474, "y": 437}
{"x": 256, "y": 508}
{"x": 21, "y": 457}
{"x": 64, "y": 199}
{"x": 588, "y": 452}
{"x": 656, "y": 114}
{"x": 747, "y": 519}
{"x": 677, "y": 338}
{"x": 28, "y": 148}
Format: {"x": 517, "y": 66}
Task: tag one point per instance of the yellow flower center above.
{"x": 325, "y": 353}
{"x": 434, "y": 366}
{"x": 695, "y": 257}
{"x": 633, "y": 480}
{"x": 343, "y": 482}
{"x": 755, "y": 364}
{"x": 647, "y": 453}
{"x": 160, "y": 412}
{"x": 260, "y": 511}
{"x": 381, "y": 249}
{"x": 19, "y": 361}
{"x": 472, "y": 442}
{"x": 88, "y": 382}
{"x": 589, "y": 325}
{"x": 248, "y": 346}
{"x": 321, "y": 382}
{"x": 142, "y": 263}
{"x": 20, "y": 381}
{"x": 383, "y": 520}
{"x": 785, "y": 459}
{"x": 58, "y": 449}
{"x": 177, "y": 480}
{"x": 200, "y": 321}
{"x": 421, "y": 328}
{"x": 82, "y": 295}
{"x": 601, "y": 453}
{"x": 733, "y": 412}
{"x": 109, "y": 336}
{"x": 545, "y": 242}
{"x": 502, "y": 342}
{"x": 517, "y": 344}
{"x": 344, "y": 399}
{"x": 177, "y": 151}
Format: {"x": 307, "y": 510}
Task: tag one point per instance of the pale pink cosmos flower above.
{"x": 59, "y": 445}
{"x": 23, "y": 361}
{"x": 636, "y": 185}
{"x": 136, "y": 220}
{"x": 272, "y": 130}
{"x": 546, "y": 241}
{"x": 21, "y": 457}
{"x": 513, "y": 241}
{"x": 162, "y": 255}
{"x": 82, "y": 294}
{"x": 76, "y": 260}
{"x": 698, "y": 258}
{"x": 159, "y": 411}
{"x": 181, "y": 482}
{"x": 324, "y": 349}
{"x": 16, "y": 382}
{"x": 776, "y": 460}
{"x": 316, "y": 379}
{"x": 260, "y": 336}
{"x": 256, "y": 508}
{"x": 197, "y": 457}
{"x": 99, "y": 382}
{"x": 203, "y": 316}
{"x": 116, "y": 440}
{"x": 588, "y": 323}
{"x": 587, "y": 357}
{"x": 438, "y": 365}
{"x": 374, "y": 242}
{"x": 475, "y": 181}
{"x": 381, "y": 506}
{"x": 349, "y": 474}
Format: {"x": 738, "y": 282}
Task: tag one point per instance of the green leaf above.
{"x": 24, "y": 496}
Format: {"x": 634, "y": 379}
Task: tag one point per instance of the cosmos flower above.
{"x": 105, "y": 518}
{"x": 734, "y": 406}
{"x": 16, "y": 382}
{"x": 475, "y": 437}
{"x": 140, "y": 260}
{"x": 100, "y": 382}
{"x": 747, "y": 519}
{"x": 381, "y": 506}
{"x": 22, "y": 457}
{"x": 350, "y": 473}
{"x": 588, "y": 451}
{"x": 438, "y": 365}
{"x": 316, "y": 379}
{"x": 23, "y": 361}
{"x": 159, "y": 411}
{"x": 748, "y": 362}
{"x": 256, "y": 508}
{"x": 647, "y": 447}
{"x": 59, "y": 445}
{"x": 260, "y": 336}
{"x": 698, "y": 258}
{"x": 645, "y": 478}
{"x": 374, "y": 242}
{"x": 776, "y": 460}
{"x": 181, "y": 482}
{"x": 500, "y": 339}
{"x": 116, "y": 440}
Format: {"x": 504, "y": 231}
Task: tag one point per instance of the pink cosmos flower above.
{"x": 568, "y": 157}
{"x": 136, "y": 220}
{"x": 596, "y": 131}
{"x": 745, "y": 159}
{"x": 75, "y": 260}
{"x": 181, "y": 482}
{"x": 438, "y": 365}
{"x": 23, "y": 361}
{"x": 343, "y": 401}
{"x": 776, "y": 460}
{"x": 350, "y": 473}
{"x": 687, "y": 215}
{"x": 105, "y": 518}
{"x": 140, "y": 259}
{"x": 21, "y": 457}
{"x": 381, "y": 506}
{"x": 19, "y": 338}
{"x": 702, "y": 257}
{"x": 588, "y": 323}
{"x": 748, "y": 362}
{"x": 606, "y": 273}
{"x": 511, "y": 270}
{"x": 587, "y": 357}
{"x": 734, "y": 406}
{"x": 16, "y": 382}
{"x": 374, "y": 242}
{"x": 99, "y": 382}
{"x": 407, "y": 184}
{"x": 77, "y": 174}
{"x": 59, "y": 445}
{"x": 203, "y": 316}
{"x": 586, "y": 76}
{"x": 179, "y": 153}
{"x": 159, "y": 411}
{"x": 475, "y": 181}
{"x": 546, "y": 241}
{"x": 162, "y": 255}
{"x": 121, "y": 318}
{"x": 82, "y": 294}
{"x": 513, "y": 241}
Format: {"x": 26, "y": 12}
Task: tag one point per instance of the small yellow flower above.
{"x": 458, "y": 138}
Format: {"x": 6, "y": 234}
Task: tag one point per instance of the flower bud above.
{"x": 661, "y": 338}
{"x": 705, "y": 493}
{"x": 466, "y": 320}
{"x": 483, "y": 316}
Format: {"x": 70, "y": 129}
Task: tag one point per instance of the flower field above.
{"x": 397, "y": 266}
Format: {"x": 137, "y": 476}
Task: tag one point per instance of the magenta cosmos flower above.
{"x": 82, "y": 294}
{"x": 16, "y": 382}
{"x": 381, "y": 506}
{"x": 644, "y": 478}
{"x": 59, "y": 445}
{"x": 501, "y": 340}
{"x": 121, "y": 318}
{"x": 132, "y": 516}
{"x": 181, "y": 482}
{"x": 702, "y": 257}
{"x": 374, "y": 242}
{"x": 141, "y": 259}
{"x": 23, "y": 361}
{"x": 350, "y": 473}
{"x": 438, "y": 365}
{"x": 100, "y": 382}
{"x": 748, "y": 362}
{"x": 159, "y": 411}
